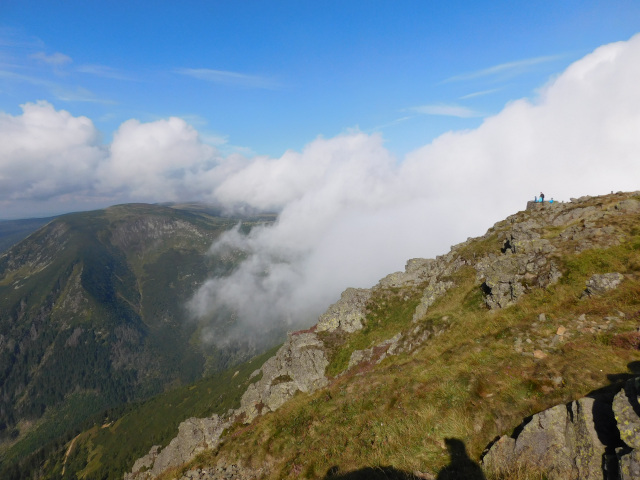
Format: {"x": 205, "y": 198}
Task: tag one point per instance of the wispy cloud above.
{"x": 392, "y": 123}
{"x": 229, "y": 78}
{"x": 55, "y": 59}
{"x": 78, "y": 94}
{"x": 61, "y": 92}
{"x": 510, "y": 68}
{"x": 104, "y": 72}
{"x": 446, "y": 110}
{"x": 15, "y": 38}
{"x": 17, "y": 77}
{"x": 480, "y": 94}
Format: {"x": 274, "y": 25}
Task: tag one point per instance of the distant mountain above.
{"x": 92, "y": 314}
{"x": 12, "y": 231}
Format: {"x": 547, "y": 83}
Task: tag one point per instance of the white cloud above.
{"x": 55, "y": 59}
{"x": 155, "y": 160}
{"x": 49, "y": 154}
{"x": 45, "y": 153}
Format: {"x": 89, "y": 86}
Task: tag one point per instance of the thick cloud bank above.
{"x": 45, "y": 153}
{"x": 349, "y": 211}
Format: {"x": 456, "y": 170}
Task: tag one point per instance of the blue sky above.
{"x": 263, "y": 77}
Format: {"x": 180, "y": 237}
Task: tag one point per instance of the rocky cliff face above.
{"x": 515, "y": 257}
{"x": 591, "y": 438}
{"x": 299, "y": 365}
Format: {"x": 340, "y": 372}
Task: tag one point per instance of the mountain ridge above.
{"x": 92, "y": 311}
{"x": 543, "y": 252}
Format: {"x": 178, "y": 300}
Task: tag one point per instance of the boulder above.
{"x": 298, "y": 365}
{"x": 430, "y": 294}
{"x": 629, "y": 464}
{"x": 627, "y": 410}
{"x": 194, "y": 436}
{"x": 599, "y": 284}
{"x": 347, "y": 313}
{"x": 417, "y": 270}
{"x": 562, "y": 442}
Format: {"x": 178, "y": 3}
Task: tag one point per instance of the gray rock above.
{"x": 629, "y": 464}
{"x": 601, "y": 283}
{"x": 630, "y": 205}
{"x": 570, "y": 215}
{"x": 380, "y": 351}
{"x": 417, "y": 271}
{"x": 359, "y": 356}
{"x": 194, "y": 436}
{"x": 626, "y": 409}
{"x": 143, "y": 464}
{"x": 561, "y": 441}
{"x": 298, "y": 365}
{"x": 347, "y": 313}
{"x": 501, "y": 276}
{"x": 430, "y": 294}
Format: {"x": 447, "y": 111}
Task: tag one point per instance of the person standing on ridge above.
{"x": 542, "y": 197}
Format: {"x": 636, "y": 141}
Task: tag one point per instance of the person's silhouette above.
{"x": 461, "y": 466}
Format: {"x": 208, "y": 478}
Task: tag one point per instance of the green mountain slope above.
{"x": 92, "y": 315}
{"x": 13, "y": 231}
{"x": 426, "y": 368}
{"x": 107, "y": 445}
{"x": 416, "y": 376}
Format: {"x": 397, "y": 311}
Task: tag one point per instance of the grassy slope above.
{"x": 108, "y": 444}
{"x": 13, "y": 231}
{"x": 468, "y": 383}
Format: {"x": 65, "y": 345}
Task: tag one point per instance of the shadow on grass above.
{"x": 461, "y": 467}
{"x": 370, "y": 473}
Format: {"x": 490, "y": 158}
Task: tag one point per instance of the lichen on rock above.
{"x": 601, "y": 283}
{"x": 347, "y": 314}
{"x": 302, "y": 359}
{"x": 561, "y": 441}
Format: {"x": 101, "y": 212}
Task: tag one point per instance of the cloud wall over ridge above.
{"x": 350, "y": 212}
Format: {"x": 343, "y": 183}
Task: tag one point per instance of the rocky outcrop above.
{"x": 528, "y": 247}
{"x": 627, "y": 414}
{"x": 376, "y": 353}
{"x": 525, "y": 261}
{"x": 599, "y": 284}
{"x": 593, "y": 438}
{"x": 562, "y": 442}
{"x": 417, "y": 271}
{"x": 505, "y": 278}
{"x": 430, "y": 294}
{"x": 347, "y": 314}
{"x": 194, "y": 436}
{"x": 223, "y": 472}
{"x": 298, "y": 366}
